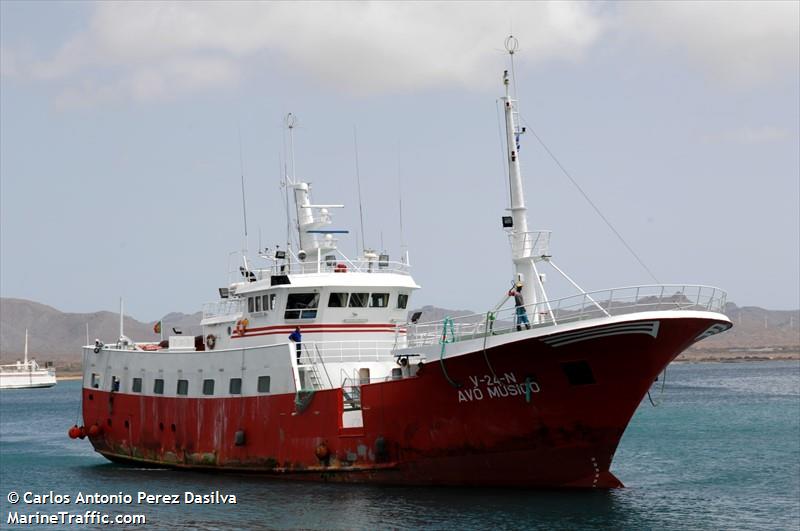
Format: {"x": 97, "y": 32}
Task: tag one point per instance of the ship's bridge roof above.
{"x": 326, "y": 279}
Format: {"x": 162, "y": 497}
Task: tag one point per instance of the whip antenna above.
{"x": 358, "y": 181}
{"x": 244, "y": 204}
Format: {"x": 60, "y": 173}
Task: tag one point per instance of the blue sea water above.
{"x": 721, "y": 451}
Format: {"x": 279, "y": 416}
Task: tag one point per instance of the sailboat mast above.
{"x": 26, "y": 347}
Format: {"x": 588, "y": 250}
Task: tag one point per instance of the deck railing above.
{"x": 534, "y": 244}
{"x": 353, "y": 351}
{"x": 223, "y": 307}
{"x": 591, "y": 305}
{"x": 322, "y": 264}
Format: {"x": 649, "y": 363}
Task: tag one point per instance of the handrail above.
{"x": 223, "y": 307}
{"x": 533, "y": 243}
{"x": 358, "y": 350}
{"x": 587, "y": 305}
{"x": 315, "y": 266}
{"x": 324, "y": 367}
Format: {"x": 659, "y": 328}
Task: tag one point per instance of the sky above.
{"x": 120, "y": 128}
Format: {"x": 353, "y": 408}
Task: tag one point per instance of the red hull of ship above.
{"x": 419, "y": 430}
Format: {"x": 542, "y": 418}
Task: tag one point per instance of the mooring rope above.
{"x": 489, "y": 319}
{"x": 660, "y": 393}
{"x": 447, "y": 320}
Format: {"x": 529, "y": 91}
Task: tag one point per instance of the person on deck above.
{"x": 519, "y": 303}
{"x": 296, "y": 337}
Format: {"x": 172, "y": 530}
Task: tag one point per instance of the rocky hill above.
{"x": 58, "y": 336}
{"x": 55, "y": 335}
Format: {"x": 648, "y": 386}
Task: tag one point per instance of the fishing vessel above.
{"x": 311, "y": 368}
{"x": 26, "y": 374}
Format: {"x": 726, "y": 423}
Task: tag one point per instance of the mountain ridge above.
{"x": 58, "y": 336}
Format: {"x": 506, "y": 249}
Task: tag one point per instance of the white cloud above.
{"x": 153, "y": 50}
{"x": 738, "y": 42}
{"x": 149, "y": 50}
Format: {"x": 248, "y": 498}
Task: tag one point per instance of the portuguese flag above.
{"x": 157, "y": 327}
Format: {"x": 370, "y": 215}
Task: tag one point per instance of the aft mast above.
{"x": 312, "y": 220}
{"x": 526, "y": 247}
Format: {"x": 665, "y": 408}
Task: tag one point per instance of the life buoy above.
{"x": 211, "y": 341}
{"x": 340, "y": 268}
{"x": 241, "y": 326}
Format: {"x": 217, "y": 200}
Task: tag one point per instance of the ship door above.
{"x": 351, "y": 400}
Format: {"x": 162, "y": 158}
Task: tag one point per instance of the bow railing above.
{"x": 580, "y": 307}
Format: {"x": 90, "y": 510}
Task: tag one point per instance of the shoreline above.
{"x": 738, "y": 359}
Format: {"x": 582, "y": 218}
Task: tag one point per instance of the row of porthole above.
{"x": 160, "y": 425}
{"x": 127, "y": 423}
{"x": 182, "y": 388}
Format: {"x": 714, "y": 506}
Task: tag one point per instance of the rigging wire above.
{"x": 403, "y": 246}
{"x": 358, "y": 181}
{"x": 244, "y": 204}
{"x": 588, "y": 200}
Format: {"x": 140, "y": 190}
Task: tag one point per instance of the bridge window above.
{"x": 358, "y": 300}
{"x": 114, "y": 383}
{"x": 402, "y": 301}
{"x": 263, "y": 384}
{"x": 251, "y": 305}
{"x": 158, "y": 386}
{"x": 302, "y": 306}
{"x": 95, "y": 380}
{"x": 337, "y": 300}
{"x": 137, "y": 385}
{"x": 272, "y": 298}
{"x": 183, "y": 387}
{"x": 379, "y": 300}
{"x": 258, "y": 303}
{"x": 208, "y": 387}
{"x": 265, "y": 303}
{"x": 235, "y": 387}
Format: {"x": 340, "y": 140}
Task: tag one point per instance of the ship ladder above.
{"x": 311, "y": 382}
{"x": 447, "y": 321}
{"x": 314, "y": 379}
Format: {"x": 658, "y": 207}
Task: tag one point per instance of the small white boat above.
{"x": 26, "y": 374}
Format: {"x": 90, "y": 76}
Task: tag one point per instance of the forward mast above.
{"x": 527, "y": 247}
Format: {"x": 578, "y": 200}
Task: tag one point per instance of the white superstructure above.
{"x": 351, "y": 314}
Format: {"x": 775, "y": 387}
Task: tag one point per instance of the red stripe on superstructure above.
{"x": 325, "y": 331}
{"x": 346, "y": 325}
